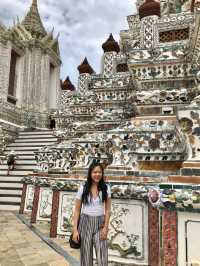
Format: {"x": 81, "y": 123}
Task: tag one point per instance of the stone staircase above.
{"x": 24, "y": 146}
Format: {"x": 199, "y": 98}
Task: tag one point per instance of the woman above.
{"x": 93, "y": 205}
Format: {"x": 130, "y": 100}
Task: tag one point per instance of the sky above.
{"x": 83, "y": 26}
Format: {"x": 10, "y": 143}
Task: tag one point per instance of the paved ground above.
{"x": 43, "y": 227}
{"x": 19, "y": 246}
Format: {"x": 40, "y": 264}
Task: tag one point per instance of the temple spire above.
{"x": 85, "y": 68}
{"x": 32, "y": 22}
{"x": 149, "y": 8}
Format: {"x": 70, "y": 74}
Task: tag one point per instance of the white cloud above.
{"x": 83, "y": 25}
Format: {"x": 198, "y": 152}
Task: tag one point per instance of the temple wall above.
{"x": 39, "y": 89}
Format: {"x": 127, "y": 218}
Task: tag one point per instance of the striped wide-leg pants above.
{"x": 89, "y": 230}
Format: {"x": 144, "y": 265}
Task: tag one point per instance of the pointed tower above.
{"x": 67, "y": 85}
{"x": 67, "y": 89}
{"x": 32, "y": 21}
{"x": 149, "y": 13}
{"x": 85, "y": 72}
{"x": 149, "y": 8}
{"x": 110, "y": 48}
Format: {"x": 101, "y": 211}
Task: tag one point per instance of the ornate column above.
{"x": 54, "y": 213}
{"x": 35, "y": 204}
{"x": 169, "y": 234}
{"x": 23, "y": 198}
{"x": 153, "y": 215}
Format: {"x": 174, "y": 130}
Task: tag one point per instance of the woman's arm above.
{"x": 107, "y": 212}
{"x": 104, "y": 231}
{"x": 76, "y": 215}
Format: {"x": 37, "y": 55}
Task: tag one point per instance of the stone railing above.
{"x": 7, "y": 135}
{"x": 30, "y": 118}
{"x": 21, "y": 116}
{"x": 10, "y": 113}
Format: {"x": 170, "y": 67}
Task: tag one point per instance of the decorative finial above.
{"x": 35, "y": 3}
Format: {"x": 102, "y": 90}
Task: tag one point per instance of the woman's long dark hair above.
{"x": 101, "y": 186}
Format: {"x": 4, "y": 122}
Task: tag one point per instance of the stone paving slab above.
{"x": 19, "y": 246}
{"x": 44, "y": 228}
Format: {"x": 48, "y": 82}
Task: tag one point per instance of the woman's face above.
{"x": 96, "y": 174}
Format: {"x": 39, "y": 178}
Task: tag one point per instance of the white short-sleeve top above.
{"x": 95, "y": 207}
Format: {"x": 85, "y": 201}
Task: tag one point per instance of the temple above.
{"x": 139, "y": 117}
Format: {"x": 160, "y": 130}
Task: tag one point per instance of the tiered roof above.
{"x": 32, "y": 22}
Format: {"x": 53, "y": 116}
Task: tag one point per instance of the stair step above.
{"x": 24, "y": 162}
{"x": 30, "y": 148}
{"x": 27, "y": 167}
{"x": 9, "y": 185}
{"x": 10, "y": 199}
{"x": 29, "y": 144}
{"x": 39, "y": 140}
{"x": 26, "y": 157}
{"x": 16, "y": 172}
{"x": 10, "y": 192}
{"x": 20, "y": 160}
{"x": 36, "y": 137}
{"x": 10, "y": 179}
{"x": 9, "y": 207}
{"x": 48, "y": 132}
{"x": 23, "y": 154}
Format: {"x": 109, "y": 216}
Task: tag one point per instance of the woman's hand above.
{"x": 76, "y": 236}
{"x": 104, "y": 233}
